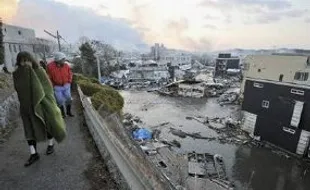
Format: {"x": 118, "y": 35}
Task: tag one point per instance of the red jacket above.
{"x": 59, "y": 75}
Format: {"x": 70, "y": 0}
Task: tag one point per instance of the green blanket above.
{"x": 38, "y": 107}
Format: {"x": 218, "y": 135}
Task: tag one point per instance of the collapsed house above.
{"x": 276, "y": 92}
{"x": 226, "y": 64}
{"x": 191, "y": 88}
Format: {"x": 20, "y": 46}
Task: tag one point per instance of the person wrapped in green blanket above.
{"x": 42, "y": 119}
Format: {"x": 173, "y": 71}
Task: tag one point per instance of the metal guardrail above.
{"x": 137, "y": 173}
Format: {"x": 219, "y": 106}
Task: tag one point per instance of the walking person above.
{"x": 38, "y": 108}
{"x": 61, "y": 76}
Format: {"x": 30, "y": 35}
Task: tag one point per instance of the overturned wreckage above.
{"x": 230, "y": 97}
{"x": 184, "y": 171}
{"x": 208, "y": 166}
{"x": 194, "y": 89}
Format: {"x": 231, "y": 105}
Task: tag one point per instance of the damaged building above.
{"x": 276, "y": 92}
{"x": 227, "y": 64}
{"x": 17, "y": 39}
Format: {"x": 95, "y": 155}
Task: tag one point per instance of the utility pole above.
{"x": 57, "y": 36}
{"x": 98, "y": 67}
{"x": 58, "y": 40}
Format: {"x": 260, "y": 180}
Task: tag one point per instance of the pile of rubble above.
{"x": 229, "y": 130}
{"x": 180, "y": 169}
{"x": 228, "y": 98}
{"x": 149, "y": 140}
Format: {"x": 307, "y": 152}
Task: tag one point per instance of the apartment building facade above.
{"x": 276, "y": 100}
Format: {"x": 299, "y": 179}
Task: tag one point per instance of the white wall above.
{"x": 270, "y": 67}
{"x": 16, "y": 39}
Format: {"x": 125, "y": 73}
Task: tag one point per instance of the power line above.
{"x": 57, "y": 36}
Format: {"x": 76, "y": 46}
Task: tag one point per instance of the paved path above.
{"x": 62, "y": 170}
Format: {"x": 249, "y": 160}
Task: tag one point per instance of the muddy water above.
{"x": 249, "y": 168}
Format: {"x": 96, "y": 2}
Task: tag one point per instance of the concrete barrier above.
{"x": 112, "y": 138}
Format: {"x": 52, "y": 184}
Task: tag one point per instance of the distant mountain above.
{"x": 238, "y": 51}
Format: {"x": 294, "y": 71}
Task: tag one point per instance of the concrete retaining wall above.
{"x": 115, "y": 144}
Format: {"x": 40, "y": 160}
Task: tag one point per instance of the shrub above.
{"x": 94, "y": 80}
{"x": 89, "y": 88}
{"x": 109, "y": 99}
{"x": 102, "y": 96}
{"x": 3, "y": 83}
{"x": 79, "y": 77}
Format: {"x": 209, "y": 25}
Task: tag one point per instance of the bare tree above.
{"x": 107, "y": 53}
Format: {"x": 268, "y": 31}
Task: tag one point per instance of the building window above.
{"x": 298, "y": 92}
{"x": 15, "y": 49}
{"x": 265, "y": 104}
{"x": 19, "y": 32}
{"x": 20, "y": 48}
{"x": 301, "y": 76}
{"x": 308, "y": 61}
{"x": 10, "y": 47}
{"x": 288, "y": 130}
{"x": 281, "y": 78}
{"x": 259, "y": 70}
{"x": 258, "y": 85}
{"x": 4, "y": 29}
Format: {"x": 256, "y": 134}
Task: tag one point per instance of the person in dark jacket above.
{"x": 43, "y": 64}
{"x": 61, "y": 76}
{"x": 41, "y": 117}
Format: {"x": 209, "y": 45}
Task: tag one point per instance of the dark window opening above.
{"x": 265, "y": 104}
{"x": 259, "y": 70}
{"x": 19, "y": 32}
{"x": 301, "y": 76}
{"x": 281, "y": 78}
{"x": 162, "y": 164}
{"x": 15, "y": 49}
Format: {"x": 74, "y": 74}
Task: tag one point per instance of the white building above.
{"x": 17, "y": 39}
{"x": 149, "y": 73}
{"x": 175, "y": 59}
{"x": 164, "y": 56}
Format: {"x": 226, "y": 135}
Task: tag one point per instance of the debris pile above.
{"x": 149, "y": 140}
{"x": 229, "y": 130}
{"x": 182, "y": 134}
{"x": 208, "y": 166}
{"x": 231, "y": 96}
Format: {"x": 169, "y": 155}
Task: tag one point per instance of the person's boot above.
{"x": 33, "y": 158}
{"x": 50, "y": 149}
{"x": 69, "y": 113}
{"x": 62, "y": 109}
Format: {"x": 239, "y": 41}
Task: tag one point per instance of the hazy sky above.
{"x": 187, "y": 24}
